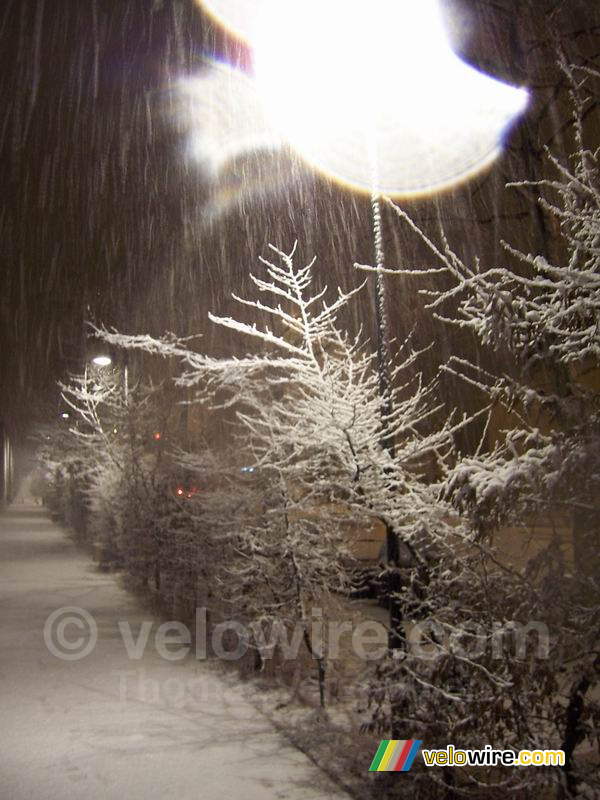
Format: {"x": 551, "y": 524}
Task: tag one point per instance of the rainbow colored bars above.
{"x": 395, "y": 755}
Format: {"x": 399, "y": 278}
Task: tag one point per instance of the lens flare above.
{"x": 226, "y": 115}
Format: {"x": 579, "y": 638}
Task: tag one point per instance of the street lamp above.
{"x": 102, "y": 361}
{"x": 373, "y": 95}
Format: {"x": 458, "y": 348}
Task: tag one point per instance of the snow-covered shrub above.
{"x": 64, "y": 467}
{"x": 540, "y": 462}
{"x": 111, "y": 474}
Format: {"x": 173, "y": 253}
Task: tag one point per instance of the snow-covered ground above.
{"x": 68, "y": 728}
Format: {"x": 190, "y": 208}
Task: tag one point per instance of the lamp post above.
{"x": 103, "y": 361}
{"x": 379, "y": 101}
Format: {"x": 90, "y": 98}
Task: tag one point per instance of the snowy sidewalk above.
{"x": 69, "y": 731}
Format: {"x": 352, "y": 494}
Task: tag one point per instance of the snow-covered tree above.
{"x": 63, "y": 466}
{"x": 539, "y": 459}
{"x": 313, "y": 431}
{"x": 113, "y": 451}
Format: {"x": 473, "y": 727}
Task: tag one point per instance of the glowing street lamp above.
{"x": 371, "y": 93}
{"x": 102, "y": 361}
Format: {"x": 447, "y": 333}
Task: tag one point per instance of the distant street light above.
{"x": 102, "y": 361}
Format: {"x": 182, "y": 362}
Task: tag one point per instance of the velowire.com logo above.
{"x": 395, "y": 755}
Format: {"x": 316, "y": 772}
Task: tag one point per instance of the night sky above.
{"x": 104, "y": 215}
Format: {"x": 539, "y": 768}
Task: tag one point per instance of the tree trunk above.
{"x": 573, "y": 731}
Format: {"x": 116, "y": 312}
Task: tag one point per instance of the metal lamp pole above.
{"x": 396, "y": 638}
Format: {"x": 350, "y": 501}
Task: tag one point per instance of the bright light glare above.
{"x": 102, "y": 361}
{"x": 227, "y": 116}
{"x": 373, "y": 94}
{"x": 369, "y": 92}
